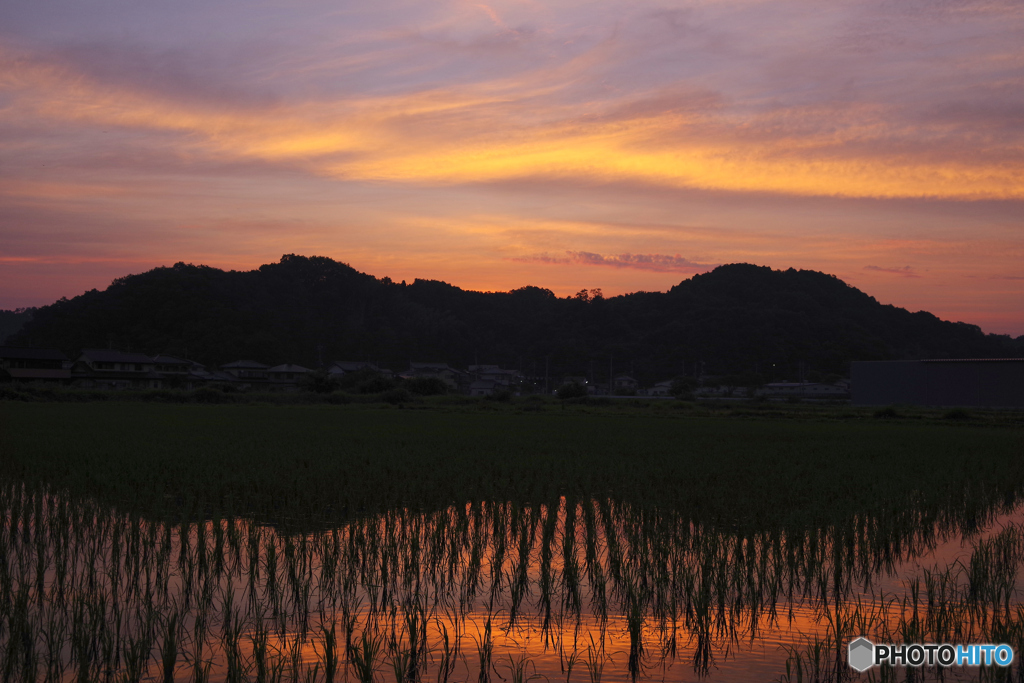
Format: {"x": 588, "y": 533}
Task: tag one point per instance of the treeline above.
{"x": 736, "y": 319}
{"x": 12, "y": 321}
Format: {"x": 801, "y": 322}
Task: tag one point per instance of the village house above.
{"x": 340, "y": 368}
{"x": 172, "y": 365}
{"x": 455, "y": 379}
{"x": 200, "y": 375}
{"x": 661, "y": 389}
{"x": 486, "y": 387}
{"x": 624, "y": 384}
{"x": 286, "y": 375}
{"x": 246, "y": 370}
{"x": 111, "y": 369}
{"x": 491, "y": 379}
{"x": 34, "y": 365}
{"x": 180, "y": 373}
{"x": 495, "y": 373}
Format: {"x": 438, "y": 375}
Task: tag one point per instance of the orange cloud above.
{"x": 505, "y": 130}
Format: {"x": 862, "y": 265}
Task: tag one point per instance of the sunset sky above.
{"x": 624, "y": 145}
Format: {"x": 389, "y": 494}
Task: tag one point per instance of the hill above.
{"x": 12, "y": 321}
{"x": 736, "y": 319}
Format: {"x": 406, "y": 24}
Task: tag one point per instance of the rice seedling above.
{"x": 485, "y": 652}
{"x": 455, "y": 575}
{"x": 595, "y": 659}
{"x": 169, "y": 648}
{"x": 363, "y": 657}
{"x": 519, "y": 669}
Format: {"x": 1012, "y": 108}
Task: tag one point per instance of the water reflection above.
{"x": 573, "y": 590}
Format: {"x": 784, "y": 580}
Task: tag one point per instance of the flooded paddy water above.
{"x": 488, "y": 544}
{"x": 574, "y": 590}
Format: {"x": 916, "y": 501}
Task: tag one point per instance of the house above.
{"x": 200, "y": 375}
{"x": 343, "y": 367}
{"x": 247, "y": 373}
{"x": 171, "y": 365}
{"x": 34, "y": 365}
{"x": 624, "y": 384}
{"x": 661, "y": 389}
{"x": 246, "y": 370}
{"x": 979, "y": 382}
{"x": 490, "y": 379}
{"x": 455, "y": 379}
{"x": 496, "y": 374}
{"x": 112, "y": 369}
{"x": 180, "y": 372}
{"x": 287, "y": 375}
{"x": 485, "y": 387}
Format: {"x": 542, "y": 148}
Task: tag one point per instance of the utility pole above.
{"x": 547, "y": 389}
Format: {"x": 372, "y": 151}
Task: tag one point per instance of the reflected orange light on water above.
{"x": 495, "y": 586}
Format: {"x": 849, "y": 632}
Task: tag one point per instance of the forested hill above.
{"x": 12, "y": 321}
{"x": 736, "y": 319}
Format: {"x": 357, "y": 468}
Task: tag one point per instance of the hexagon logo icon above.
{"x": 860, "y": 654}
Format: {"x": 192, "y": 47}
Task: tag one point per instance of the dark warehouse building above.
{"x": 978, "y": 382}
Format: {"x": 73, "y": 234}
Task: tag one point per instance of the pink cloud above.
{"x": 905, "y": 271}
{"x": 662, "y": 263}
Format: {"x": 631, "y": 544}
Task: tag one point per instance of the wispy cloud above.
{"x": 660, "y": 263}
{"x": 905, "y": 271}
{"x": 525, "y": 124}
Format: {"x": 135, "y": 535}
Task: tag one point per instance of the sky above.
{"x": 621, "y": 145}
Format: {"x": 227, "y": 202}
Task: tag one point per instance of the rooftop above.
{"x": 288, "y": 367}
{"x": 245, "y": 365}
{"x": 112, "y": 356}
{"x": 351, "y": 366}
{"x": 31, "y": 354}
{"x": 171, "y": 360}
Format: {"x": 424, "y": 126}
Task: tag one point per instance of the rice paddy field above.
{"x": 504, "y": 542}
